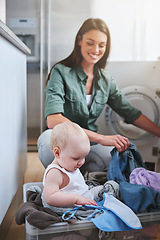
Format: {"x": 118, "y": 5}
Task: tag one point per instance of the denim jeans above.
{"x": 124, "y": 163}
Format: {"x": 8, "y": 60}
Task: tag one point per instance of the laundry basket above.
{"x": 86, "y": 230}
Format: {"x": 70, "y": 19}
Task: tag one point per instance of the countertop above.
{"x": 11, "y": 37}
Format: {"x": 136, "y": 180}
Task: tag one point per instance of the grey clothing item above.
{"x": 98, "y": 158}
{"x": 95, "y": 178}
{"x": 110, "y": 187}
{"x": 35, "y": 188}
{"x": 80, "y": 214}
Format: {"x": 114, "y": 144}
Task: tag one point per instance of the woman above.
{"x": 77, "y": 90}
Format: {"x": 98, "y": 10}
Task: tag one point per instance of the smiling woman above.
{"x": 70, "y": 82}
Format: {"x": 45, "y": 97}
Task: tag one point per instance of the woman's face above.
{"x": 93, "y": 46}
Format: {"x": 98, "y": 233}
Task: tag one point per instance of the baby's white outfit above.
{"x": 76, "y": 183}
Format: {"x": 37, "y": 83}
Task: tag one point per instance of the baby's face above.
{"x": 73, "y": 155}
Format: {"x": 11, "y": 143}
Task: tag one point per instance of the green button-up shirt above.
{"x": 66, "y": 94}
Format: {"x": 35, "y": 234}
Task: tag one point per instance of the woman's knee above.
{"x": 44, "y": 152}
{"x": 98, "y": 159}
{"x": 44, "y": 138}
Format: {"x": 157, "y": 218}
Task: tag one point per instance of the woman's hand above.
{"x": 120, "y": 142}
{"x": 81, "y": 200}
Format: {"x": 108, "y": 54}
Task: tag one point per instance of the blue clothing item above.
{"x": 113, "y": 215}
{"x": 122, "y": 164}
{"x": 116, "y": 216}
{"x": 138, "y": 197}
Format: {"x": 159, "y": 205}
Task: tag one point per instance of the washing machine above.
{"x": 140, "y": 82}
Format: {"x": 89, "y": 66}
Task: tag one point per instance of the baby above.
{"x": 63, "y": 182}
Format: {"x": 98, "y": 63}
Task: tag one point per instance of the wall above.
{"x": 66, "y": 17}
{"x": 134, "y": 27}
{"x": 3, "y": 11}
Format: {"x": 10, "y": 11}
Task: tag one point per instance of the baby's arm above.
{"x": 54, "y": 197}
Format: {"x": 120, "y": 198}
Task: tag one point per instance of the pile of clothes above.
{"x": 139, "y": 187}
{"x": 128, "y": 187}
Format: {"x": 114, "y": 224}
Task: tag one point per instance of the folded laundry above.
{"x": 142, "y": 176}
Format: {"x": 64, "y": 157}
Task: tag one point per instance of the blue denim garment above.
{"x": 138, "y": 197}
{"x": 122, "y": 164}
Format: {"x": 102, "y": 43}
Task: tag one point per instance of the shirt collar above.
{"x": 81, "y": 74}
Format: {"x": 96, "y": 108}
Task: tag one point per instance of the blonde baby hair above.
{"x": 62, "y": 132}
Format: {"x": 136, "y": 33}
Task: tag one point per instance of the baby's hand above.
{"x": 83, "y": 201}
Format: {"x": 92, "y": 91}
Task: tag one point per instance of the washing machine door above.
{"x": 145, "y": 100}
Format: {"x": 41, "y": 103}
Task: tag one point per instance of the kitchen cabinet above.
{"x": 13, "y": 122}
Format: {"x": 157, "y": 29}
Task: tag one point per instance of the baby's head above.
{"x": 64, "y": 132}
{"x": 71, "y": 143}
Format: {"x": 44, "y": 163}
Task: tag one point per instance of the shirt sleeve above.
{"x": 55, "y": 92}
{"x": 119, "y": 103}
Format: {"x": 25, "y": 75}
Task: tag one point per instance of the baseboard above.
{"x": 32, "y": 148}
{"x": 11, "y": 212}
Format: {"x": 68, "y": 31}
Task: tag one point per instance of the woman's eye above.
{"x": 102, "y": 46}
{"x": 90, "y": 44}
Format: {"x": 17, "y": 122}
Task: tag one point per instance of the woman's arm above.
{"x": 54, "y": 119}
{"x": 146, "y": 124}
{"x": 118, "y": 141}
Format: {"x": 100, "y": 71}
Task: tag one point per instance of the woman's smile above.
{"x": 93, "y": 56}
